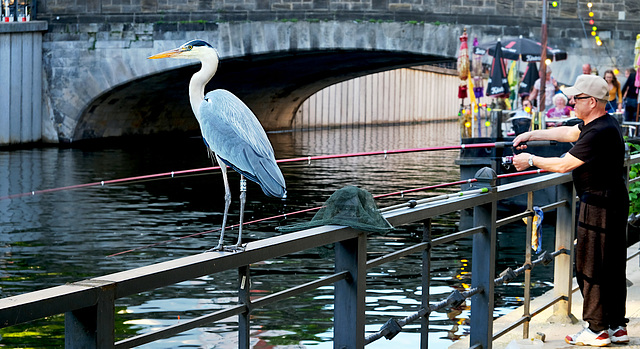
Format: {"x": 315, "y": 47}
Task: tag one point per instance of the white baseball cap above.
{"x": 591, "y": 85}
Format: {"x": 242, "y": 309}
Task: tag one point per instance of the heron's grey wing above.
{"x": 234, "y": 133}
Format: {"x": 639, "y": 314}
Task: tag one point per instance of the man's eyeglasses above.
{"x": 583, "y": 97}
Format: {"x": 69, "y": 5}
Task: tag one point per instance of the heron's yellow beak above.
{"x": 166, "y": 54}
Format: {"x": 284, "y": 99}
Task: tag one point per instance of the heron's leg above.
{"x": 227, "y": 203}
{"x": 243, "y": 199}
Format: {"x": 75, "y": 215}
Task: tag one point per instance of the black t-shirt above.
{"x": 601, "y": 147}
{"x": 629, "y": 86}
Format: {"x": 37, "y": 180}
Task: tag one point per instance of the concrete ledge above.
{"x": 23, "y": 27}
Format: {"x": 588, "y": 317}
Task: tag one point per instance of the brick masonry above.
{"x": 139, "y": 20}
{"x": 227, "y": 9}
{"x": 96, "y": 45}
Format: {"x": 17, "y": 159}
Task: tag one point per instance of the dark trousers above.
{"x": 630, "y": 105}
{"x": 601, "y": 255}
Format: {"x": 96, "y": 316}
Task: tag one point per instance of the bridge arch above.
{"x": 273, "y": 85}
{"x": 273, "y": 66}
{"x": 99, "y": 82}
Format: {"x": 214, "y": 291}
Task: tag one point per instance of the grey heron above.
{"x": 231, "y": 132}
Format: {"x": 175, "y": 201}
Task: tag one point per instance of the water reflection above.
{"x": 61, "y": 237}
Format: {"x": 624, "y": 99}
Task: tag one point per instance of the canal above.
{"x": 66, "y": 236}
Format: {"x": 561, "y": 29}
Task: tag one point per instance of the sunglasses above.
{"x": 583, "y": 97}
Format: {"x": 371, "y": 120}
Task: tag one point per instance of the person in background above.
{"x": 560, "y": 110}
{"x": 586, "y": 69}
{"x": 526, "y": 109}
{"x": 630, "y": 95}
{"x": 551, "y": 86}
{"x": 597, "y": 165}
{"x": 615, "y": 92}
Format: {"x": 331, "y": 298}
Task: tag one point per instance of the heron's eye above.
{"x": 190, "y": 47}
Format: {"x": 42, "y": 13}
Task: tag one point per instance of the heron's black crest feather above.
{"x": 197, "y": 42}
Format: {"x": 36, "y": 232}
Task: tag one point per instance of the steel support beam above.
{"x": 92, "y": 327}
{"x": 527, "y": 260}
{"x": 243, "y": 298}
{"x": 563, "y": 264}
{"x": 426, "y": 278}
{"x": 349, "y": 305}
{"x": 483, "y": 265}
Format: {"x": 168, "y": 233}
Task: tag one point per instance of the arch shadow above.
{"x": 273, "y": 85}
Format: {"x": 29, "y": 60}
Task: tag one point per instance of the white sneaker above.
{"x": 588, "y": 337}
{"x": 619, "y": 335}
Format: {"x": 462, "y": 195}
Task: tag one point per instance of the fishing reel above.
{"x": 507, "y": 162}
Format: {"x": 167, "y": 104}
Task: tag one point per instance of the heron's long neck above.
{"x": 198, "y": 81}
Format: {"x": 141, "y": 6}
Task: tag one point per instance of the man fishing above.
{"x": 597, "y": 161}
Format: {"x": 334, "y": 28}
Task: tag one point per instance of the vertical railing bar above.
{"x": 563, "y": 264}
{"x": 94, "y": 326}
{"x": 349, "y": 294}
{"x": 426, "y": 283}
{"x": 527, "y": 272}
{"x": 244, "y": 285}
{"x": 483, "y": 256}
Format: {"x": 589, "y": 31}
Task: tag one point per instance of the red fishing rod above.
{"x": 284, "y": 215}
{"x": 173, "y": 174}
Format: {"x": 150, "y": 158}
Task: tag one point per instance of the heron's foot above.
{"x": 235, "y": 248}
{"x": 218, "y": 248}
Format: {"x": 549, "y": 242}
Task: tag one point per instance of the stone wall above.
{"x": 226, "y": 9}
{"x": 95, "y": 50}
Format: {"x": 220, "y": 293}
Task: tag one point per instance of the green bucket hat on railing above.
{"x": 349, "y": 206}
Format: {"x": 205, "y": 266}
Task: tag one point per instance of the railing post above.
{"x": 426, "y": 277}
{"x": 563, "y": 263}
{"x": 483, "y": 264}
{"x": 349, "y": 302}
{"x": 92, "y": 327}
{"x": 243, "y": 298}
{"x": 627, "y": 168}
{"x": 527, "y": 260}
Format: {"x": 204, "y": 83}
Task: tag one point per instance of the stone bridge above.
{"x": 276, "y": 53}
{"x": 272, "y": 66}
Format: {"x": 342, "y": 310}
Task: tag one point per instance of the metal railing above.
{"x": 89, "y": 305}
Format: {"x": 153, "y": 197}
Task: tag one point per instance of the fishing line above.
{"x": 284, "y": 215}
{"x": 127, "y": 180}
{"x": 308, "y": 159}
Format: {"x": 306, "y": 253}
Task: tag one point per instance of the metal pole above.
{"x": 349, "y": 302}
{"x": 426, "y": 276}
{"x": 527, "y": 273}
{"x": 483, "y": 269}
{"x": 563, "y": 264}
{"x": 543, "y": 58}
{"x": 244, "y": 278}
{"x": 94, "y": 326}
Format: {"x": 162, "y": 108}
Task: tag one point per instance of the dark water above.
{"x": 51, "y": 239}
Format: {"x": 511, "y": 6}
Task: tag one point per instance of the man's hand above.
{"x": 521, "y": 161}
{"x": 521, "y": 138}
